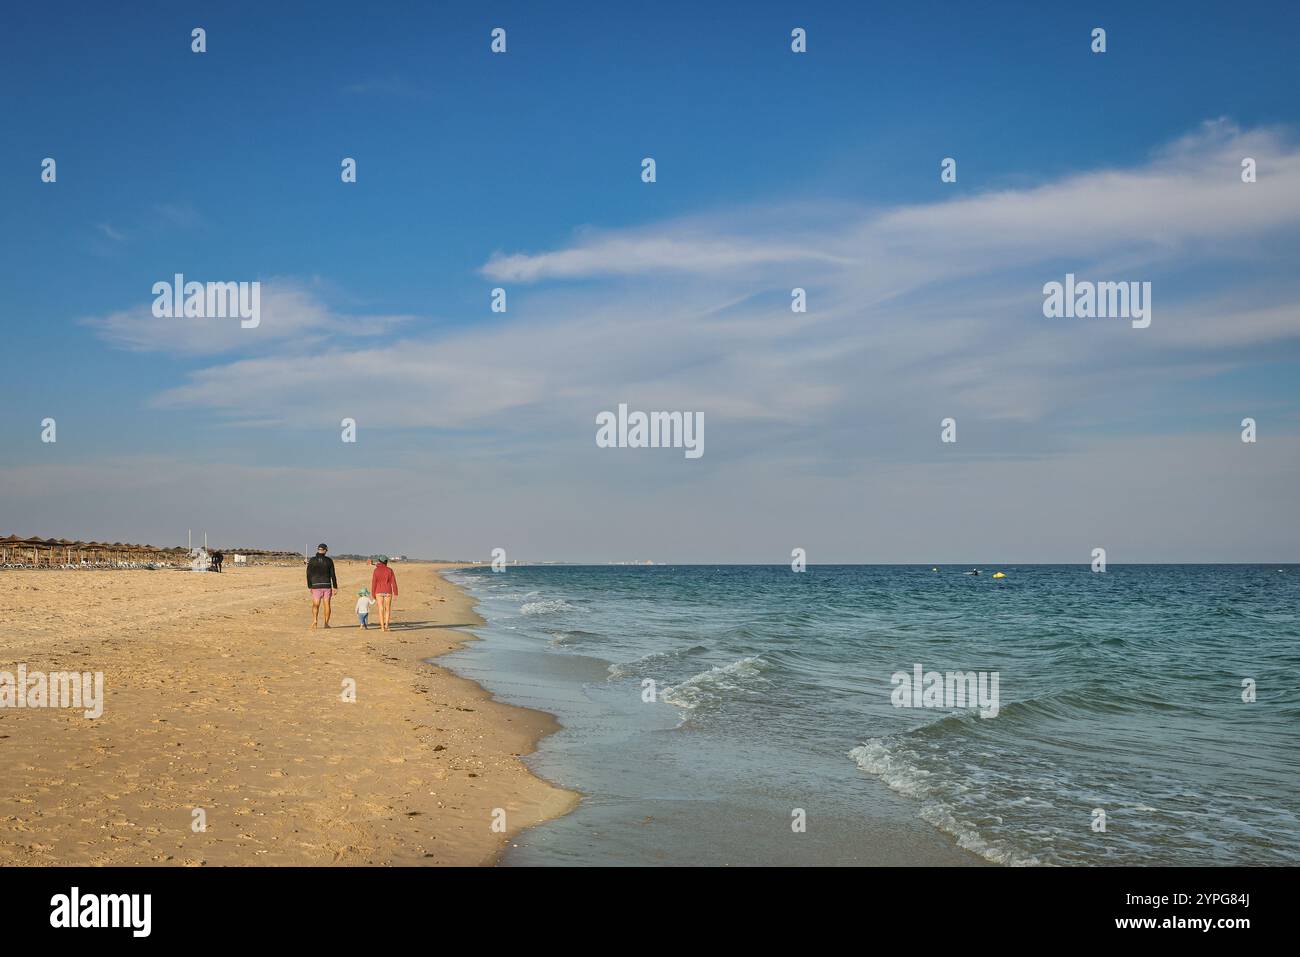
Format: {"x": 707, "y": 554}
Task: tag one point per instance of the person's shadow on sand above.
{"x": 422, "y": 625}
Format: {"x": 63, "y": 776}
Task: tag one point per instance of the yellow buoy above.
{"x": 999, "y": 575}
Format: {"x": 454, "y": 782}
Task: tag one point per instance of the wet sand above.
{"x": 220, "y": 698}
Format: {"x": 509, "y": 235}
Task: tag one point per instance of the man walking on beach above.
{"x": 322, "y": 582}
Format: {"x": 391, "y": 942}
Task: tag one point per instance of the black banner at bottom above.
{"x": 333, "y": 906}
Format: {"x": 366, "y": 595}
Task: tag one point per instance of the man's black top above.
{"x": 320, "y": 572}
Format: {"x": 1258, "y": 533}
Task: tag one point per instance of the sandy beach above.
{"x": 220, "y": 698}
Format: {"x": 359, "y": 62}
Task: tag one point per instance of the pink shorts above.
{"x": 319, "y": 593}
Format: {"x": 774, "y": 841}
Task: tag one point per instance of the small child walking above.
{"x": 364, "y": 604}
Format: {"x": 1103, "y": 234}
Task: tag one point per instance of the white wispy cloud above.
{"x": 292, "y": 311}
{"x": 656, "y": 251}
{"x": 1186, "y": 196}
{"x": 915, "y": 312}
{"x": 175, "y": 215}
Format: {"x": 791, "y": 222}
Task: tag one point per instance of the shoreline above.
{"x": 220, "y": 702}
{"x": 544, "y": 722}
{"x": 595, "y": 689}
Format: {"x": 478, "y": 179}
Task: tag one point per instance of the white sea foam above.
{"x": 547, "y": 606}
{"x": 648, "y": 664}
{"x": 902, "y": 774}
{"x": 628, "y": 668}
{"x": 715, "y": 684}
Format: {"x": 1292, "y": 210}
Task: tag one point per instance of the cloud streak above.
{"x": 915, "y": 313}
{"x": 293, "y": 312}
{"x": 606, "y": 255}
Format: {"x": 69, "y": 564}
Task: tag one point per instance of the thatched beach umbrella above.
{"x": 34, "y": 546}
{"x": 31, "y": 548}
{"x": 9, "y": 548}
{"x": 37, "y": 551}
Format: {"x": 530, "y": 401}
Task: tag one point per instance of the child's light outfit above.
{"x": 364, "y": 604}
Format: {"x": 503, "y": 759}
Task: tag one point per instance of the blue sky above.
{"x": 774, "y": 170}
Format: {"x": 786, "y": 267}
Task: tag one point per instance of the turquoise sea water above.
{"x": 774, "y": 702}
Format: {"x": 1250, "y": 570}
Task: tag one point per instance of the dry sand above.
{"x": 219, "y": 696}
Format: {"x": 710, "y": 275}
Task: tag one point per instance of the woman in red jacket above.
{"x": 383, "y": 585}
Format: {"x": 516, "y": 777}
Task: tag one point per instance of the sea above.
{"x": 903, "y": 715}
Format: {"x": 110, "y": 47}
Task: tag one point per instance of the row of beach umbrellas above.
{"x": 16, "y": 550}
